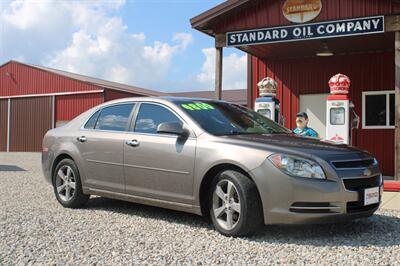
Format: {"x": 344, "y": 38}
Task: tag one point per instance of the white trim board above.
{"x": 51, "y": 94}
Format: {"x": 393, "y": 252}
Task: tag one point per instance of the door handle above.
{"x": 133, "y": 143}
{"x": 82, "y": 139}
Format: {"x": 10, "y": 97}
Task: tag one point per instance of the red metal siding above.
{"x": 368, "y": 72}
{"x": 30, "y": 120}
{"x": 19, "y": 79}
{"x": 112, "y": 95}
{"x": 3, "y": 124}
{"x": 68, "y": 107}
{"x": 269, "y": 13}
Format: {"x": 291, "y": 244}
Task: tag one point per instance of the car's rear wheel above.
{"x": 67, "y": 185}
{"x": 235, "y": 206}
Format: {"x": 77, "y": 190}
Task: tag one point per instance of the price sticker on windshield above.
{"x": 197, "y": 106}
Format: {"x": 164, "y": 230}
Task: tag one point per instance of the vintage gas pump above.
{"x": 267, "y": 104}
{"x": 340, "y": 115}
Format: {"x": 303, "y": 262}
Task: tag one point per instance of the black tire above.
{"x": 251, "y": 213}
{"x": 78, "y": 198}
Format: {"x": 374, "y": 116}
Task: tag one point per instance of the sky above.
{"x": 149, "y": 44}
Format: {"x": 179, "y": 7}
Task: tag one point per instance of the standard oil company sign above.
{"x": 326, "y": 29}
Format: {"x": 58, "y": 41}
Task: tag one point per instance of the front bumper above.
{"x": 292, "y": 200}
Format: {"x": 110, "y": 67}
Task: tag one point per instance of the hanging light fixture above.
{"x": 324, "y": 50}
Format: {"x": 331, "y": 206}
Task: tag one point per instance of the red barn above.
{"x": 286, "y": 40}
{"x": 34, "y": 99}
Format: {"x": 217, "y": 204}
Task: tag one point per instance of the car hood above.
{"x": 290, "y": 143}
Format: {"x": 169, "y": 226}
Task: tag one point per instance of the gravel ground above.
{"x": 35, "y": 229}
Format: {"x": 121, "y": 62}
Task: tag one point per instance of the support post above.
{"x": 250, "y": 93}
{"x": 397, "y": 109}
{"x": 53, "y": 111}
{"x": 218, "y": 73}
{"x": 392, "y": 23}
{"x": 8, "y": 123}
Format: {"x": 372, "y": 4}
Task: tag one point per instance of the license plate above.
{"x": 371, "y": 196}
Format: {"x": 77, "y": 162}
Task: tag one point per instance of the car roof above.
{"x": 180, "y": 98}
{"x": 161, "y": 99}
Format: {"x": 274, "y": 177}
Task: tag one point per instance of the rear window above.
{"x": 92, "y": 121}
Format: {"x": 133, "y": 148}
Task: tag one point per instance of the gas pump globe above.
{"x": 339, "y": 110}
{"x": 267, "y": 104}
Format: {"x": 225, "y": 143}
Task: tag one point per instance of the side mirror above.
{"x": 174, "y": 128}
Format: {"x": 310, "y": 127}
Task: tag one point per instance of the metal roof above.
{"x": 95, "y": 81}
{"x": 201, "y": 21}
{"x": 206, "y": 21}
{"x": 234, "y": 96}
{"x": 216, "y": 11}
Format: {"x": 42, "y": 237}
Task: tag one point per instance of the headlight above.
{"x": 296, "y": 166}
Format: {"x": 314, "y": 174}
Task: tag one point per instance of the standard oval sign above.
{"x": 300, "y": 11}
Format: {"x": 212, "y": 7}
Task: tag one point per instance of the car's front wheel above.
{"x": 67, "y": 185}
{"x": 235, "y": 205}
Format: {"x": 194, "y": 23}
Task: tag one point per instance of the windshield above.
{"x": 221, "y": 118}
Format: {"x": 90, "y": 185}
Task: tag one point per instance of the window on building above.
{"x": 151, "y": 115}
{"x": 114, "y": 118}
{"x": 378, "y": 109}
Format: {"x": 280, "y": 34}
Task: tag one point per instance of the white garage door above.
{"x": 315, "y": 106}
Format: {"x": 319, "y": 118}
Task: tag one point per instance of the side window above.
{"x": 92, "y": 120}
{"x": 114, "y": 118}
{"x": 151, "y": 115}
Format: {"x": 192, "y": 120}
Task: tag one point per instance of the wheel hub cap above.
{"x": 65, "y": 183}
{"x": 226, "y": 204}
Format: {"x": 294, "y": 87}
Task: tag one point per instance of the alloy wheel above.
{"x": 226, "y": 204}
{"x": 65, "y": 183}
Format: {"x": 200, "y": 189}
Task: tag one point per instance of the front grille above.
{"x": 359, "y": 185}
{"x": 357, "y": 206}
{"x": 311, "y": 204}
{"x": 310, "y": 210}
{"x": 353, "y": 164}
{"x": 356, "y": 184}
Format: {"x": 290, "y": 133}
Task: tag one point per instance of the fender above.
{"x": 211, "y": 154}
{"x": 72, "y": 151}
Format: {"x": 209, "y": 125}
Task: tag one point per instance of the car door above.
{"x": 101, "y": 144}
{"x": 158, "y": 166}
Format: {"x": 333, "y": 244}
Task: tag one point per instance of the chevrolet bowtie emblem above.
{"x": 367, "y": 172}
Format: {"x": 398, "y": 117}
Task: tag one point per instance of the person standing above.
{"x": 302, "y": 128}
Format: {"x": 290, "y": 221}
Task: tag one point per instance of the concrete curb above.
{"x": 389, "y": 185}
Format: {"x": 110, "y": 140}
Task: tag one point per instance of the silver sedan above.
{"x": 210, "y": 158}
